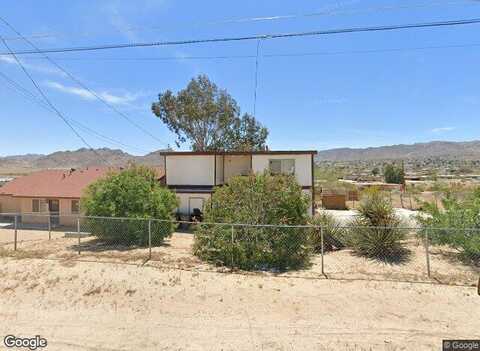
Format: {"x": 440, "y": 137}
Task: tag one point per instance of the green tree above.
{"x": 133, "y": 194}
{"x": 255, "y": 200}
{"x": 209, "y": 118}
{"x": 375, "y": 171}
{"x": 394, "y": 174}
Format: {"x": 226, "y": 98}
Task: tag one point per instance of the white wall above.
{"x": 236, "y": 165}
{"x": 183, "y": 199}
{"x": 303, "y": 166}
{"x": 190, "y": 170}
{"x": 220, "y": 174}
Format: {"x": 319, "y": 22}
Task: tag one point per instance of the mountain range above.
{"x": 86, "y": 157}
{"x": 467, "y": 150}
{"x": 76, "y": 159}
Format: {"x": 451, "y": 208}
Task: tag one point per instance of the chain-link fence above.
{"x": 443, "y": 255}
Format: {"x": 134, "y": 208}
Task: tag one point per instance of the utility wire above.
{"x": 321, "y": 13}
{"x": 81, "y": 84}
{"x": 252, "y": 37}
{"x": 228, "y": 57}
{"x": 33, "y": 98}
{"x": 50, "y": 104}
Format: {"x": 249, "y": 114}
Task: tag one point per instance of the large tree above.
{"x": 209, "y": 118}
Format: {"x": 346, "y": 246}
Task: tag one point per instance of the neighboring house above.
{"x": 54, "y": 192}
{"x": 193, "y": 175}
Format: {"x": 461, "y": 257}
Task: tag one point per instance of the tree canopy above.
{"x": 133, "y": 193}
{"x": 209, "y": 118}
{"x": 394, "y": 174}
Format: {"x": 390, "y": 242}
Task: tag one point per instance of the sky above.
{"x": 342, "y": 90}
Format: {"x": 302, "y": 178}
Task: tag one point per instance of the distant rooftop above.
{"x": 55, "y": 183}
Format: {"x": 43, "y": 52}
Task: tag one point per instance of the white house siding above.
{"x": 190, "y": 170}
{"x": 303, "y": 165}
{"x": 219, "y": 172}
{"x": 236, "y": 165}
{"x": 184, "y": 200}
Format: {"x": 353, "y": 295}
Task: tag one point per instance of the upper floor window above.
{"x": 75, "y": 207}
{"x": 286, "y": 166}
{"x": 35, "y": 205}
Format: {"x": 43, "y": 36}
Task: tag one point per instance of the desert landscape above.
{"x": 121, "y": 306}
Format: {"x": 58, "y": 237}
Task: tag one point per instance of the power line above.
{"x": 321, "y": 13}
{"x": 33, "y": 98}
{"x": 228, "y": 57}
{"x": 81, "y": 84}
{"x": 252, "y": 37}
{"x": 47, "y": 100}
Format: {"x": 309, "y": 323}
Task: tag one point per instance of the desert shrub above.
{"x": 134, "y": 194}
{"x": 457, "y": 218}
{"x": 394, "y": 174}
{"x": 334, "y": 234}
{"x": 256, "y": 199}
{"x": 376, "y": 231}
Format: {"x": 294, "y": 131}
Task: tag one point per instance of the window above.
{"x": 286, "y": 166}
{"x": 75, "y": 206}
{"x": 35, "y": 205}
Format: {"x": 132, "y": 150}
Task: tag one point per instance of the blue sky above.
{"x": 342, "y": 98}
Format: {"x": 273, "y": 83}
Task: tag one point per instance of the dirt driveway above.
{"x": 117, "y": 306}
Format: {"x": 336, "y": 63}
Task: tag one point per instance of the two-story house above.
{"x": 193, "y": 175}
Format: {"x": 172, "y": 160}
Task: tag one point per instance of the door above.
{"x": 54, "y": 209}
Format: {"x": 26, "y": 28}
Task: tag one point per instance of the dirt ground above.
{"x": 117, "y": 306}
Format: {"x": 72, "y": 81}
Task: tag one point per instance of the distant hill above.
{"x": 436, "y": 149}
{"x": 75, "y": 159}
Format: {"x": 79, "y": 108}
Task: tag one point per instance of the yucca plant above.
{"x": 333, "y": 233}
{"x": 376, "y": 232}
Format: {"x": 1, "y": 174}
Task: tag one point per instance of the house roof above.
{"x": 54, "y": 183}
{"x": 282, "y": 152}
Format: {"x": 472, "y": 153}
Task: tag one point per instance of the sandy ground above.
{"x": 112, "y": 306}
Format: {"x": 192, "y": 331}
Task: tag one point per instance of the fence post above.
{"x": 427, "y": 253}
{"x": 49, "y": 227}
{"x": 149, "y": 239}
{"x": 322, "y": 249}
{"x": 15, "y": 233}
{"x": 233, "y": 243}
{"x": 78, "y": 234}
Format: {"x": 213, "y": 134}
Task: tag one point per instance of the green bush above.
{"x": 394, "y": 174}
{"x": 334, "y": 234}
{"x": 256, "y": 199}
{"x": 458, "y": 216}
{"x": 134, "y": 194}
{"x": 376, "y": 231}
